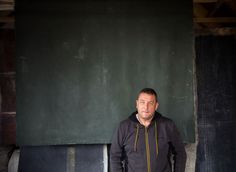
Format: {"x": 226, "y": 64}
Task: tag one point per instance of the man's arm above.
{"x": 178, "y": 151}
{"x": 116, "y": 151}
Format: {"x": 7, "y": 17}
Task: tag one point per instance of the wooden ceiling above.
{"x": 214, "y": 16}
{"x": 7, "y": 14}
{"x": 209, "y": 16}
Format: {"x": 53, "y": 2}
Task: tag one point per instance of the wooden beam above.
{"x": 7, "y": 113}
{"x": 205, "y": 1}
{"x": 215, "y": 20}
{"x": 6, "y": 7}
{"x": 199, "y": 10}
{"x": 215, "y": 31}
{"x": 7, "y": 1}
{"x": 216, "y": 7}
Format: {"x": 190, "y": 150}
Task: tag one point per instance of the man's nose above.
{"x": 146, "y": 105}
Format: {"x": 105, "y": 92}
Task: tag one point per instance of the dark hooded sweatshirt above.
{"x": 136, "y": 148}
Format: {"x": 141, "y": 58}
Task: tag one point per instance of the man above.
{"x": 146, "y": 141}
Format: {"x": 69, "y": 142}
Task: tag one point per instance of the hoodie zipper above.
{"x": 147, "y": 150}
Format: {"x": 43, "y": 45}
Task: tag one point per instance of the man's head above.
{"x": 147, "y": 103}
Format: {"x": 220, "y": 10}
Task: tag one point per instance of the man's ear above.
{"x": 157, "y": 105}
{"x": 136, "y": 103}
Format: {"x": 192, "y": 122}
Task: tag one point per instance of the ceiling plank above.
{"x": 199, "y": 11}
{"x": 216, "y": 31}
{"x": 205, "y": 1}
{"x": 215, "y": 20}
{"x": 8, "y": 1}
{"x": 6, "y": 7}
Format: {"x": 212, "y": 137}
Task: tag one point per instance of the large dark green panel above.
{"x": 81, "y": 64}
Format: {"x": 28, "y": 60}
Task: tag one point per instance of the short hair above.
{"x": 149, "y": 91}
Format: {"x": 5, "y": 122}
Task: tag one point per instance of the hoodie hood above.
{"x": 133, "y": 118}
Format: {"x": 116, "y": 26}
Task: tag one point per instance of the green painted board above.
{"x": 80, "y": 66}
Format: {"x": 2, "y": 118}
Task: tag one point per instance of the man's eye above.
{"x": 151, "y": 103}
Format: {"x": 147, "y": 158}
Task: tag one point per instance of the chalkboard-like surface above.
{"x": 81, "y": 64}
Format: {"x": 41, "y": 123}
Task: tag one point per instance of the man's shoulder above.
{"x": 164, "y": 120}
{"x": 130, "y": 120}
{"x": 126, "y": 122}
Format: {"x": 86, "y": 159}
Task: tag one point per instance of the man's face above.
{"x": 146, "y": 106}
